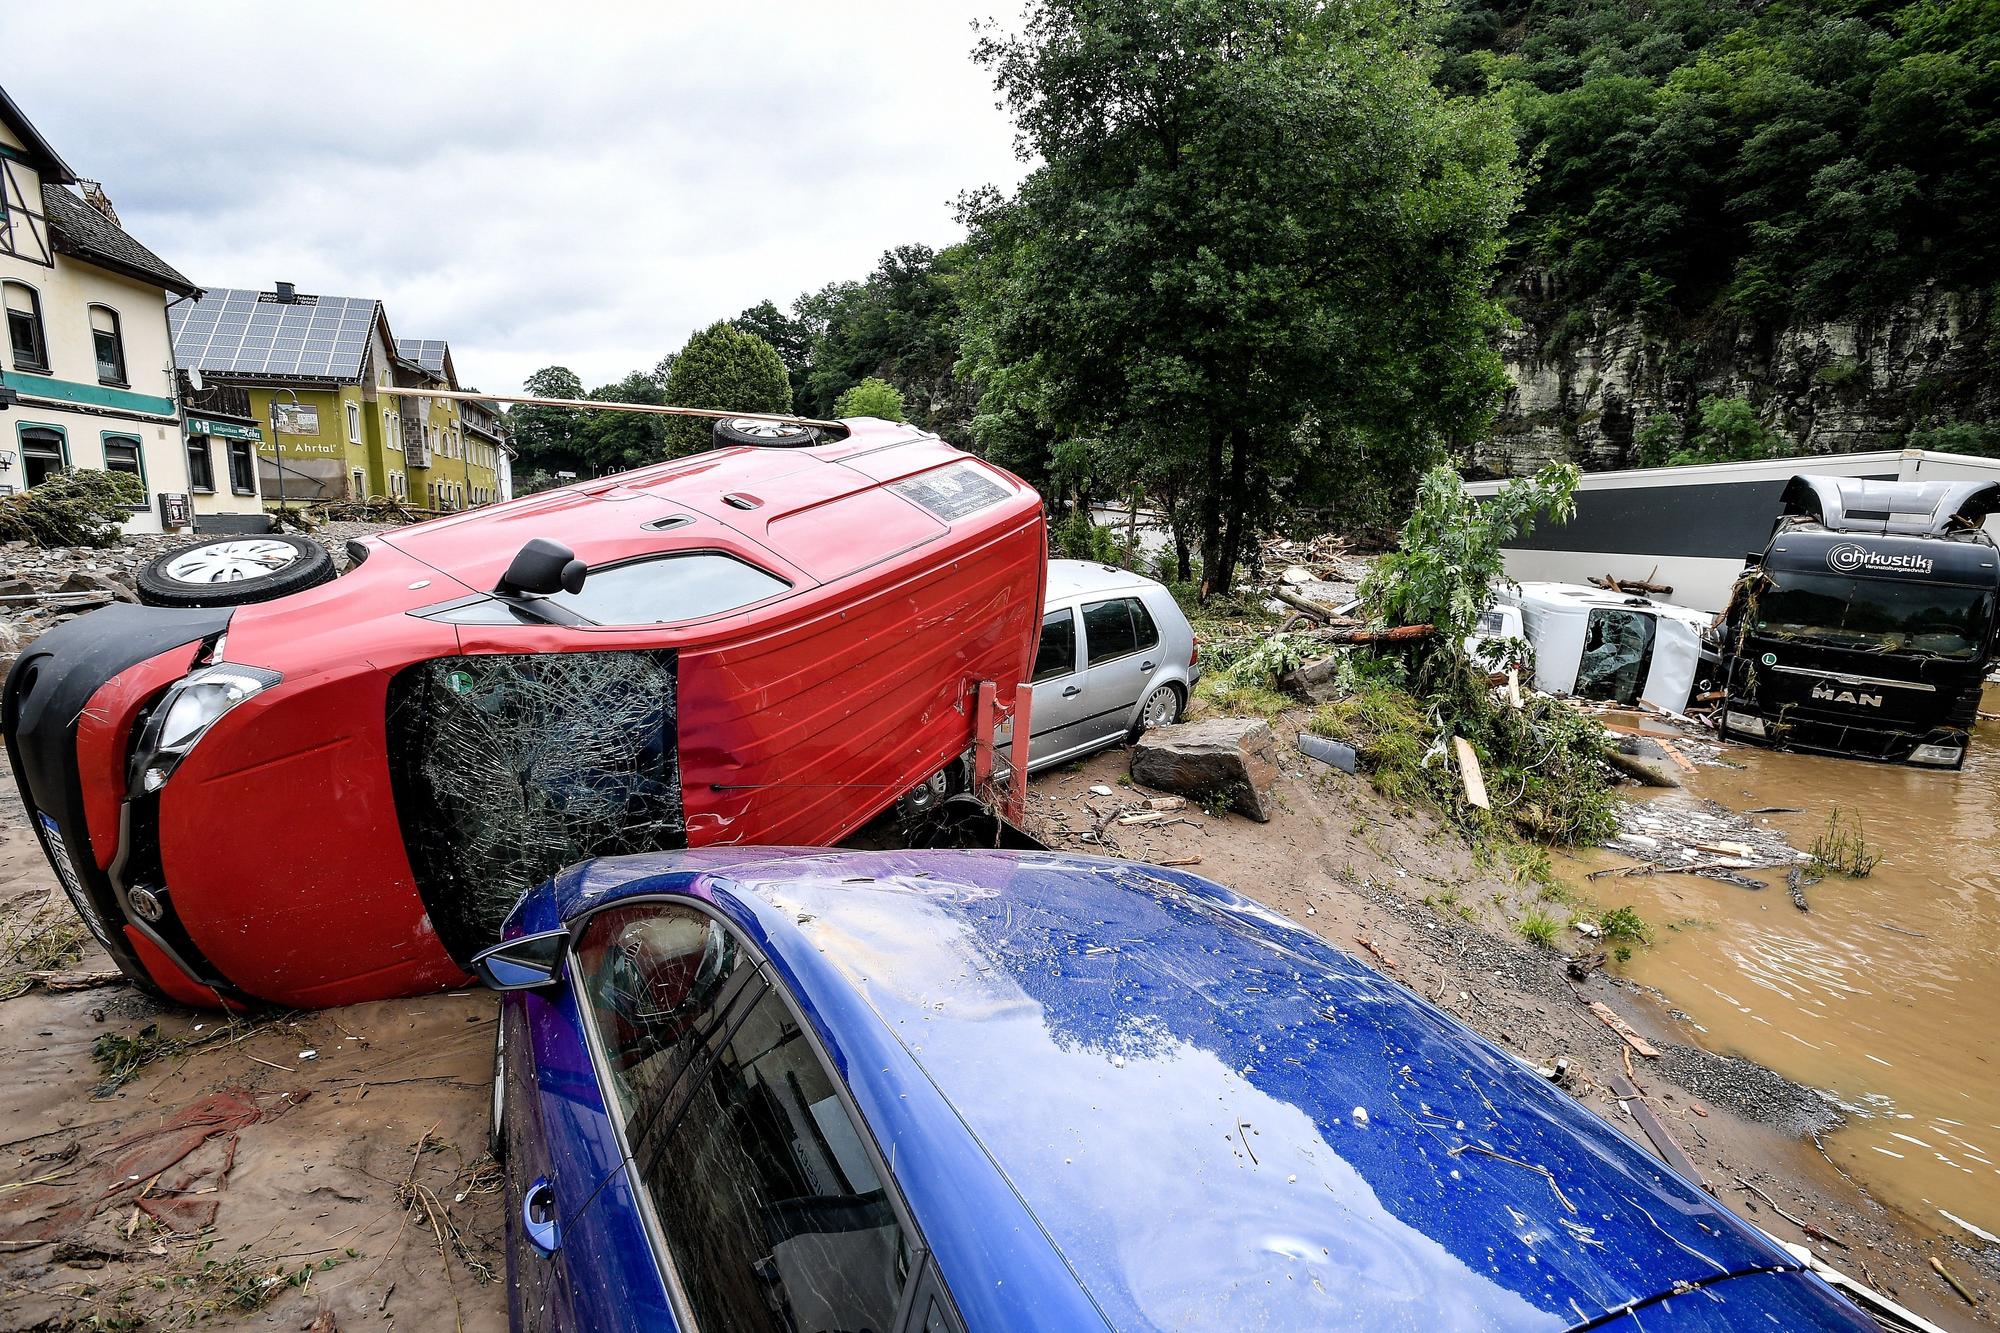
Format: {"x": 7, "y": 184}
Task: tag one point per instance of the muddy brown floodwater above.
{"x": 1885, "y": 995}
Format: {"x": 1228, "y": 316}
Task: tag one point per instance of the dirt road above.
{"x": 351, "y": 1185}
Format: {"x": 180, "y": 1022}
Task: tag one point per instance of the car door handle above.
{"x": 1071, "y": 691}
{"x": 538, "y": 1217}
{"x": 1145, "y": 666}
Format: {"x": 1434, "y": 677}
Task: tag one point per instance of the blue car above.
{"x": 950, "y": 1092}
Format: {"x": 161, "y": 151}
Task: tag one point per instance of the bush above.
{"x": 721, "y": 367}
{"x": 1539, "y": 928}
{"x": 1077, "y": 538}
{"x": 1960, "y": 437}
{"x": 72, "y": 509}
{"x": 1622, "y": 923}
{"x": 871, "y": 398}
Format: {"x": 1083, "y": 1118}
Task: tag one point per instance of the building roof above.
{"x": 45, "y": 158}
{"x": 237, "y": 331}
{"x": 433, "y": 354}
{"x": 80, "y": 231}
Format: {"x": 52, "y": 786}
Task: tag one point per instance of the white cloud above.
{"x": 580, "y": 183}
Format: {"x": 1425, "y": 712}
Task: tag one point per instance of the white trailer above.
{"x": 1690, "y": 528}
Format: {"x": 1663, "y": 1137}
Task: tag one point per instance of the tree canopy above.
{"x": 721, "y": 367}
{"x": 871, "y": 398}
{"x": 1255, "y": 254}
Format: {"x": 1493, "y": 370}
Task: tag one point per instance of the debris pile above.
{"x": 1704, "y": 839}
{"x": 43, "y": 586}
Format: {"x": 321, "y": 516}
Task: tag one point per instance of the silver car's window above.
{"x": 1117, "y": 628}
{"x": 686, "y": 586}
{"x": 1057, "y": 654}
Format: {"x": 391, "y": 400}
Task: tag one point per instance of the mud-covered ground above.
{"x": 344, "y": 1152}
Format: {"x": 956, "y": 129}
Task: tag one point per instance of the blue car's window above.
{"x": 768, "y": 1199}
{"x": 663, "y": 982}
{"x": 672, "y": 587}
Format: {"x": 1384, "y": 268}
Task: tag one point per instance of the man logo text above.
{"x": 1829, "y": 694}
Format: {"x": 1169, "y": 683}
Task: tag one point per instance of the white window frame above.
{"x": 354, "y": 423}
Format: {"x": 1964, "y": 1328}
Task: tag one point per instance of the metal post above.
{"x": 1017, "y": 781}
{"x": 278, "y": 449}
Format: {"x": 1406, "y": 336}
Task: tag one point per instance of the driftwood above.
{"x": 1664, "y": 1142}
{"x": 1400, "y": 634}
{"x": 1311, "y": 608}
{"x": 1638, "y": 768}
{"x": 1645, "y": 585}
{"x": 1623, "y": 1029}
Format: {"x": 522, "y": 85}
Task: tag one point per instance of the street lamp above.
{"x": 278, "y": 449}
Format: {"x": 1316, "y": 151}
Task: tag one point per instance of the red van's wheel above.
{"x": 761, "y": 434}
{"x": 234, "y": 571}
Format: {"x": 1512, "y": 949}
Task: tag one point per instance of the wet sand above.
{"x": 1883, "y": 994}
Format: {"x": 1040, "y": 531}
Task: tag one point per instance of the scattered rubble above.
{"x": 1236, "y": 756}
{"x": 1697, "y": 838}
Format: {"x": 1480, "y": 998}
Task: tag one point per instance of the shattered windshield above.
{"x": 1876, "y": 615}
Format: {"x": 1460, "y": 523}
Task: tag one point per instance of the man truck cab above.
{"x": 1866, "y": 627}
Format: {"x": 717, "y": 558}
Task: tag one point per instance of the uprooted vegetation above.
{"x": 1400, "y": 707}
{"x": 85, "y": 508}
{"x": 40, "y": 934}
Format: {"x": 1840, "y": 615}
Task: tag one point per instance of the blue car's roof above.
{"x": 1205, "y": 1115}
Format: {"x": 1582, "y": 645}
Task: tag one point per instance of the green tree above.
{"x": 616, "y": 441}
{"x": 721, "y": 367}
{"x": 1448, "y": 561}
{"x": 790, "y": 336}
{"x": 1730, "y": 433}
{"x": 871, "y": 398}
{"x": 1256, "y": 251}
{"x": 550, "y": 438}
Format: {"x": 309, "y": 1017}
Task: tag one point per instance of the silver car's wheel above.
{"x": 1162, "y": 708}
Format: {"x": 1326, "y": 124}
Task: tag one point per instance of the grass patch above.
{"x": 1539, "y": 928}
{"x": 1226, "y": 696}
{"x": 44, "y": 936}
{"x": 1842, "y": 849}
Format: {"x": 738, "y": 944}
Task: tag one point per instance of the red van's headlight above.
{"x": 185, "y": 713}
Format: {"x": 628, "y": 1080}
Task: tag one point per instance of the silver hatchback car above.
{"x": 1117, "y": 656}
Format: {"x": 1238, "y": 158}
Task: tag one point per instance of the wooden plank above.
{"x": 1623, "y": 1029}
{"x": 1664, "y": 1142}
{"x": 1673, "y": 753}
{"x": 1469, "y": 775}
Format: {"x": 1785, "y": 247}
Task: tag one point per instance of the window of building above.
{"x": 768, "y": 1198}
{"x": 354, "y": 423}
{"x": 121, "y": 454}
{"x": 360, "y": 491}
{"x": 201, "y": 465}
{"x": 390, "y": 438}
{"x": 242, "y": 468}
{"x": 674, "y": 587}
{"x": 109, "y": 344}
{"x": 24, "y": 327}
{"x": 1117, "y": 628}
{"x": 44, "y": 454}
{"x": 432, "y": 492}
{"x": 398, "y": 487}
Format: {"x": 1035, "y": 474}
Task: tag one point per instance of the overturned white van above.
{"x": 1614, "y": 647}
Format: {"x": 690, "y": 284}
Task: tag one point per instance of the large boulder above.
{"x": 1237, "y": 755}
{"x": 86, "y": 581}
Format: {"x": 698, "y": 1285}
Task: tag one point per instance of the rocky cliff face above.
{"x": 1585, "y": 383}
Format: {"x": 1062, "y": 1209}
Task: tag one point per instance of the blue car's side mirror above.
{"x": 528, "y": 963}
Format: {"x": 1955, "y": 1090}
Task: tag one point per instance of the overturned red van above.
{"x": 338, "y": 794}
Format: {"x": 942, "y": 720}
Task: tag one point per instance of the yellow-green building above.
{"x": 321, "y": 374}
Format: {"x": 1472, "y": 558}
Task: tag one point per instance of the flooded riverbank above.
{"x": 1884, "y": 994}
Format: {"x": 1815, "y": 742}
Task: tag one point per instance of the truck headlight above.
{"x": 1946, "y": 755}
{"x": 1748, "y": 724}
{"x": 185, "y": 713}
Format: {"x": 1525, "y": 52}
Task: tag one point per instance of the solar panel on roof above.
{"x": 236, "y": 330}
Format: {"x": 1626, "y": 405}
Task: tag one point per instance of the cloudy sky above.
{"x": 580, "y": 183}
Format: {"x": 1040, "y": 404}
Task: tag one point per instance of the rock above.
{"x": 1233, "y": 754}
{"x": 1315, "y": 681}
{"x": 15, "y": 587}
{"x": 85, "y": 581}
